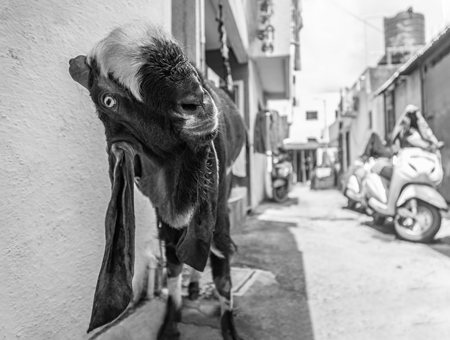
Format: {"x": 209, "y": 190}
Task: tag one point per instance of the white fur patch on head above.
{"x": 120, "y": 53}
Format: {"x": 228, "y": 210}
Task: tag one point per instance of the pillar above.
{"x": 188, "y": 27}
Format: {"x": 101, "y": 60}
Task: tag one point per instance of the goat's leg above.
{"x": 194, "y": 286}
{"x": 220, "y": 265}
{"x": 169, "y": 329}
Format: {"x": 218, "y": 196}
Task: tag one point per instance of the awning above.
{"x": 289, "y": 144}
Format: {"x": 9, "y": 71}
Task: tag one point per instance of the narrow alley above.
{"x": 310, "y": 270}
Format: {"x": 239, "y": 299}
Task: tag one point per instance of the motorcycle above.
{"x": 406, "y": 191}
{"x": 282, "y": 178}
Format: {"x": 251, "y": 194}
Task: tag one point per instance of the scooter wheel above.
{"x": 351, "y": 204}
{"x": 280, "y": 194}
{"x": 423, "y": 232}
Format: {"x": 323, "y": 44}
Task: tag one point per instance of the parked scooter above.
{"x": 407, "y": 192}
{"x": 353, "y": 183}
{"x": 282, "y": 178}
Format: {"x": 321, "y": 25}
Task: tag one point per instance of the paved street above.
{"x": 361, "y": 282}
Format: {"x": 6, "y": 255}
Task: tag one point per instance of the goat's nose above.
{"x": 193, "y": 103}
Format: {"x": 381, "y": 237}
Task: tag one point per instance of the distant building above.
{"x": 308, "y": 135}
{"x": 360, "y": 110}
{"x": 359, "y": 113}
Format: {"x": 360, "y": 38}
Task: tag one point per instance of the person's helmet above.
{"x": 411, "y": 108}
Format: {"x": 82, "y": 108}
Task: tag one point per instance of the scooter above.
{"x": 408, "y": 194}
{"x": 354, "y": 184}
{"x": 375, "y": 151}
{"x": 282, "y": 179}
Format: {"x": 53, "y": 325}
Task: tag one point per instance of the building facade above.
{"x": 308, "y": 135}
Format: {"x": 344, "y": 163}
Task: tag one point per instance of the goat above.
{"x": 177, "y": 136}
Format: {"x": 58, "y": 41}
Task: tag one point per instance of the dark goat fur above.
{"x": 177, "y": 136}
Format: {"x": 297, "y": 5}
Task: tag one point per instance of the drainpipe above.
{"x": 422, "y": 90}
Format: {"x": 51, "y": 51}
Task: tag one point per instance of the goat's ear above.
{"x": 114, "y": 286}
{"x": 80, "y": 70}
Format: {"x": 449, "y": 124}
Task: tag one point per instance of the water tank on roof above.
{"x": 406, "y": 29}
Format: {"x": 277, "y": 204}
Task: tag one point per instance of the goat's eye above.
{"x": 109, "y": 101}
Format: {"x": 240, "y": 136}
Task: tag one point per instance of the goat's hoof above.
{"x": 194, "y": 291}
{"x": 169, "y": 329}
{"x": 169, "y": 332}
{"x": 227, "y": 325}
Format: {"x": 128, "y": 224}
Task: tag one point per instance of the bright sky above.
{"x": 336, "y": 47}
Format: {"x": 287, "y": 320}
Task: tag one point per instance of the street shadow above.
{"x": 441, "y": 245}
{"x": 289, "y": 202}
{"x": 276, "y": 311}
{"x": 387, "y": 233}
{"x": 387, "y": 228}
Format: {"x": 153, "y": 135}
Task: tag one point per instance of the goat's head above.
{"x": 139, "y": 79}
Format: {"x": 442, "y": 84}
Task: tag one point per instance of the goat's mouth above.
{"x": 200, "y": 132}
{"x": 202, "y": 128}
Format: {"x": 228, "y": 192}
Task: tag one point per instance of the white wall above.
{"x": 54, "y": 180}
{"x": 259, "y": 178}
{"x": 377, "y": 106}
{"x": 408, "y": 92}
{"x": 302, "y": 129}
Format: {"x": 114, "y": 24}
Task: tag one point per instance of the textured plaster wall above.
{"x": 54, "y": 183}
{"x": 378, "y": 118}
{"x": 260, "y": 178}
{"x": 359, "y": 132}
{"x": 437, "y": 109}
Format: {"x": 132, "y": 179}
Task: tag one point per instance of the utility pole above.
{"x": 325, "y": 121}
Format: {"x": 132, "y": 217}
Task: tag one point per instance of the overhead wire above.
{"x": 355, "y": 16}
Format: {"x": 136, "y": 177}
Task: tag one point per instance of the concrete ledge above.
{"x": 201, "y": 318}
{"x": 137, "y": 323}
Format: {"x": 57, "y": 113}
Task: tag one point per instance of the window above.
{"x": 370, "y": 120}
{"x": 311, "y": 115}
{"x": 312, "y": 140}
{"x": 356, "y": 104}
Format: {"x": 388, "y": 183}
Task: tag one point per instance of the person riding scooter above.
{"x": 410, "y": 131}
{"x": 405, "y": 188}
